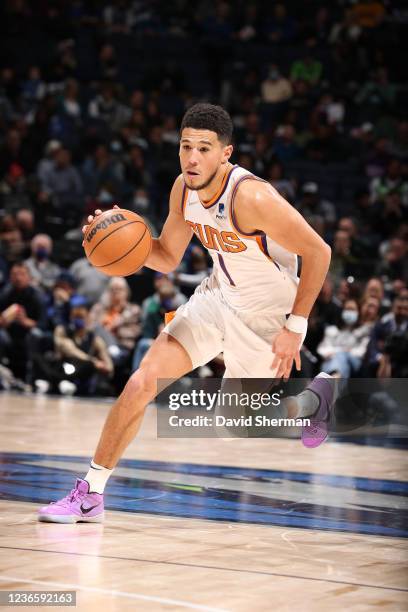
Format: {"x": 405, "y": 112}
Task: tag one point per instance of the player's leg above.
{"x": 248, "y": 354}
{"x": 191, "y": 339}
{"x": 166, "y": 359}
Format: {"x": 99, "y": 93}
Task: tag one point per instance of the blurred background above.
{"x": 91, "y": 98}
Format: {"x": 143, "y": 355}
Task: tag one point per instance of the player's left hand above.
{"x": 97, "y": 212}
{"x": 286, "y": 346}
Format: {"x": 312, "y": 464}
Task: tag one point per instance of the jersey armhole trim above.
{"x": 184, "y": 198}
{"x": 233, "y": 220}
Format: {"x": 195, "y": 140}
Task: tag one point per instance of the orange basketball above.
{"x": 118, "y": 242}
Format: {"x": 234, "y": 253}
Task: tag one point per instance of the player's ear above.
{"x": 227, "y": 152}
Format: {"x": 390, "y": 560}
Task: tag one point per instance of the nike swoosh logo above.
{"x": 86, "y": 510}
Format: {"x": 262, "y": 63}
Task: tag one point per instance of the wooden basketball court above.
{"x": 202, "y": 524}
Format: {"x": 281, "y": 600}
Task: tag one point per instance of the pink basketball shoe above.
{"x": 79, "y": 506}
{"x": 326, "y": 389}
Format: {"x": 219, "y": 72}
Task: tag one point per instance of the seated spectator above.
{"x": 280, "y": 27}
{"x": 105, "y": 107}
{"x": 118, "y": 322}
{"x": 90, "y": 282}
{"x": 101, "y": 169}
{"x": 26, "y": 224}
{"x": 108, "y": 63}
{"x": 276, "y": 177}
{"x": 21, "y": 309}
{"x": 311, "y": 203}
{"x": 392, "y": 182}
{"x": 284, "y": 143}
{"x": 62, "y": 185}
{"x": 135, "y": 170}
{"x": 13, "y": 151}
{"x": 13, "y": 189}
{"x": 11, "y": 239}
{"x": 193, "y": 270}
{"x": 343, "y": 348}
{"x": 361, "y": 248}
{"x": 326, "y": 311}
{"x": 82, "y": 360}
{"x": 343, "y": 262}
{"x": 395, "y": 261}
{"x": 57, "y": 312}
{"x": 377, "y": 95}
{"x": 368, "y": 13}
{"x": 42, "y": 270}
{"x": 68, "y": 103}
{"x": 166, "y": 299}
{"x": 392, "y": 325}
{"x": 329, "y": 110}
{"x": 33, "y": 89}
{"x": 375, "y": 288}
{"x": 307, "y": 69}
{"x": 47, "y": 163}
{"x": 275, "y": 88}
{"x": 58, "y": 301}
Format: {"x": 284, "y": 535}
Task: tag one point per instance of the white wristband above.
{"x": 296, "y": 324}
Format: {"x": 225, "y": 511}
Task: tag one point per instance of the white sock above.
{"x": 97, "y": 477}
{"x": 303, "y": 405}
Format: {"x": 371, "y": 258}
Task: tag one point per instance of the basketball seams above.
{"x": 125, "y": 254}
{"x": 116, "y": 229}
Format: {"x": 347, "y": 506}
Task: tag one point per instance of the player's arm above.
{"x": 259, "y": 206}
{"x": 168, "y": 250}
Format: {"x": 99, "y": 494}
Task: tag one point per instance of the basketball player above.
{"x": 253, "y": 308}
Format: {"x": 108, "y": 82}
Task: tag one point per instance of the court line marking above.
{"x": 79, "y": 587}
{"x": 212, "y": 567}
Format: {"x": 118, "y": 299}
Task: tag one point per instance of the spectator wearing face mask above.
{"x": 43, "y": 271}
{"x": 166, "y": 299}
{"x": 81, "y": 358}
{"x": 276, "y": 88}
{"x": 342, "y": 348}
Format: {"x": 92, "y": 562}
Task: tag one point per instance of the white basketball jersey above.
{"x": 253, "y": 271}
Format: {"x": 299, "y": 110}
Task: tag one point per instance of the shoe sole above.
{"x": 319, "y": 441}
{"x": 69, "y": 520}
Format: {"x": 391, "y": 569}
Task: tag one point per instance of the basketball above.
{"x": 117, "y": 242}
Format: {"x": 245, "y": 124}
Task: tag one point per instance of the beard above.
{"x": 202, "y": 185}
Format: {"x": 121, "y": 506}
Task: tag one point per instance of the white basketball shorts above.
{"x": 206, "y": 326}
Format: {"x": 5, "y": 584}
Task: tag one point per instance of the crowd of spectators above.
{"x": 91, "y": 97}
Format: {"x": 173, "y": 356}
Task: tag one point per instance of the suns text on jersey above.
{"x": 212, "y": 238}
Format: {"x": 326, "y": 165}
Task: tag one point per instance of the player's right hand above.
{"x": 91, "y": 218}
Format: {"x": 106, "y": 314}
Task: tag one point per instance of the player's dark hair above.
{"x": 205, "y": 116}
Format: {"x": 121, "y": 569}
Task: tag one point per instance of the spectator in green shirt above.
{"x": 306, "y": 69}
